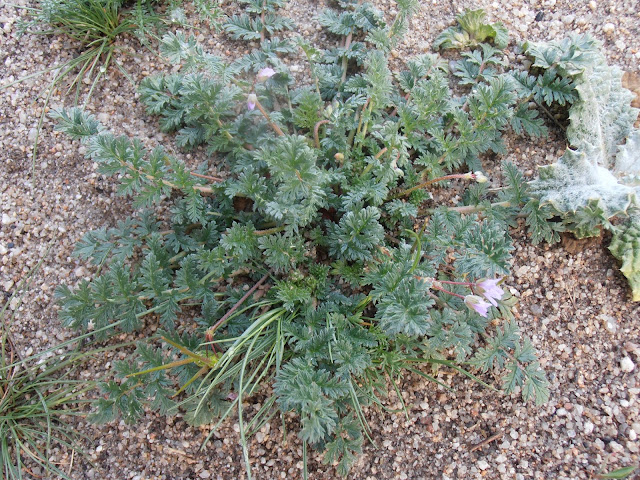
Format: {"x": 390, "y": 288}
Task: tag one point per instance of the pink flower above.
{"x": 476, "y": 303}
{"x": 251, "y": 101}
{"x": 265, "y": 74}
{"x": 490, "y": 290}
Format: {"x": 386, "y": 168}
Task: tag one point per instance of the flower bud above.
{"x": 477, "y": 304}
{"x": 252, "y": 99}
{"x": 480, "y": 177}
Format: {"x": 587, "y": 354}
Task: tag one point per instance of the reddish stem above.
{"x": 226, "y": 316}
{"x": 468, "y": 284}
{"x": 435, "y": 287}
{"x": 316, "y": 132}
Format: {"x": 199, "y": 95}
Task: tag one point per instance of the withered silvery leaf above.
{"x": 603, "y": 161}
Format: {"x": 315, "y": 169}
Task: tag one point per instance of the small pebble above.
{"x": 627, "y": 365}
{"x": 616, "y": 447}
{"x": 608, "y": 28}
{"x": 483, "y": 465}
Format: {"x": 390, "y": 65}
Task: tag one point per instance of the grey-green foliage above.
{"x": 598, "y": 177}
{"x": 260, "y": 19}
{"x": 317, "y": 205}
{"x": 603, "y": 160}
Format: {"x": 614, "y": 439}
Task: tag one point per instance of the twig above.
{"x": 238, "y": 303}
{"x": 553, "y": 119}
{"x": 486, "y": 442}
{"x": 208, "y": 177}
{"x": 73, "y": 453}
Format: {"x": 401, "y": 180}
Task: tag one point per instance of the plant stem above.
{"x": 316, "y": 132}
{"x": 467, "y": 284}
{"x": 226, "y": 316}
{"x": 345, "y": 60}
{"x": 465, "y": 209}
{"x": 264, "y": 30}
{"x": 436, "y": 287}
{"x": 406, "y": 192}
{"x": 208, "y": 177}
{"x": 380, "y": 153}
{"x": 269, "y": 231}
{"x": 377, "y": 157}
{"x": 275, "y": 127}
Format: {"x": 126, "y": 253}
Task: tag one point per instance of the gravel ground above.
{"x": 574, "y": 303}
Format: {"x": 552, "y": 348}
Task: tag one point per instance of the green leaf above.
{"x": 308, "y": 108}
{"x": 625, "y": 246}
{"x": 356, "y": 235}
{"x": 345, "y": 447}
{"x": 406, "y": 309}
{"x": 471, "y": 31}
{"x": 535, "y": 385}
{"x": 485, "y": 250}
{"x": 623, "y": 472}
{"x": 281, "y": 252}
{"x": 76, "y": 123}
{"x": 526, "y": 119}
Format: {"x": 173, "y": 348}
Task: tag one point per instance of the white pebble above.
{"x": 608, "y": 28}
{"x": 483, "y": 465}
{"x": 588, "y": 428}
{"x": 627, "y": 365}
{"x": 616, "y": 447}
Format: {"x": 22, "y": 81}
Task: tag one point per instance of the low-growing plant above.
{"x": 94, "y": 26}
{"x": 38, "y": 396}
{"x": 315, "y": 248}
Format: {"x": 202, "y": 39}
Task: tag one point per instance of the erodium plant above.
{"x": 317, "y": 248}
